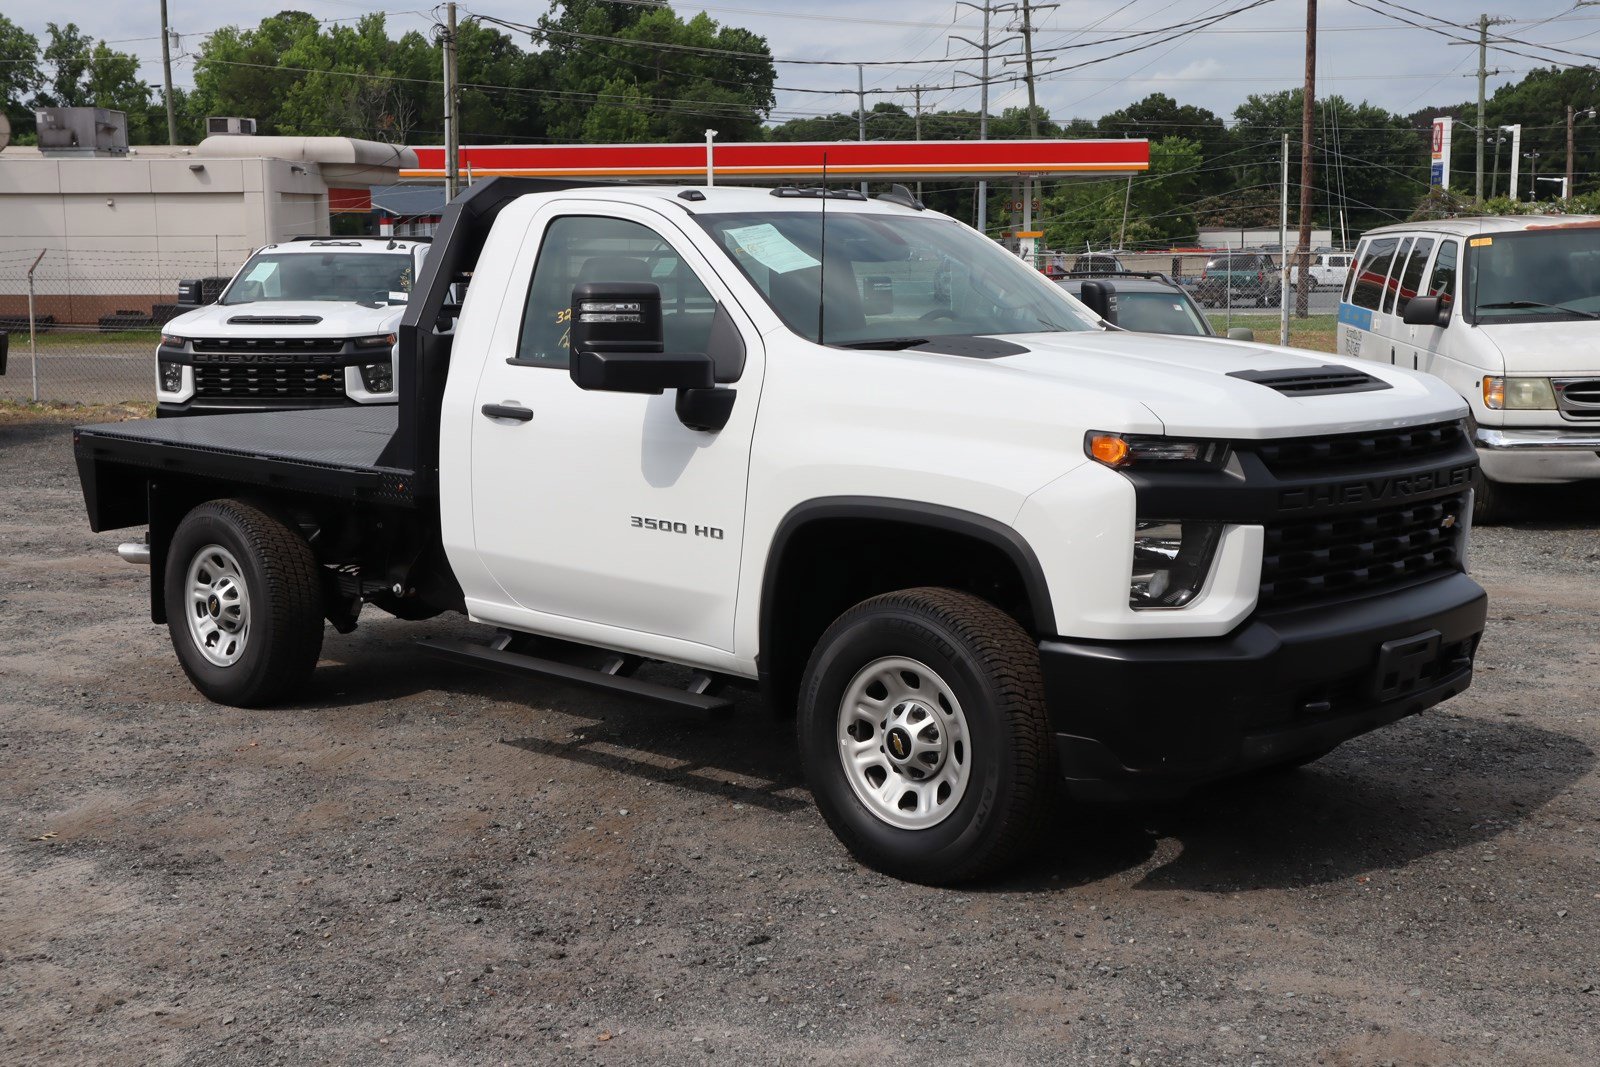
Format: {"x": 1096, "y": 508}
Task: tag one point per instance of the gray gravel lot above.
{"x": 420, "y": 864}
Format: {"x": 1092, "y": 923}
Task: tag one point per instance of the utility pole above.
{"x": 984, "y": 49}
{"x": 916, "y": 113}
{"x": 861, "y": 112}
{"x": 1283, "y": 242}
{"x": 452, "y": 135}
{"x": 1303, "y": 254}
{"x": 1484, "y": 22}
{"x": 166, "y": 75}
{"x": 1567, "y": 188}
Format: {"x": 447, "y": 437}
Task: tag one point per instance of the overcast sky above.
{"x": 1362, "y": 55}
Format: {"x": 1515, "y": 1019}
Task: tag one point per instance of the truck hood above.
{"x": 1547, "y": 347}
{"x": 337, "y": 320}
{"x": 1185, "y": 383}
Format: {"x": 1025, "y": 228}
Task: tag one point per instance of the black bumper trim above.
{"x": 1151, "y": 717}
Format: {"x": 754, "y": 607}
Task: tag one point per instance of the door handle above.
{"x": 508, "y": 411}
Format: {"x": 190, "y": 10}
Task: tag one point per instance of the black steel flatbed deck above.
{"x": 328, "y": 452}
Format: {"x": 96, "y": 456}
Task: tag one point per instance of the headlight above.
{"x": 171, "y": 377}
{"x": 1518, "y": 394}
{"x": 385, "y": 341}
{"x": 377, "y": 377}
{"x": 173, "y": 341}
{"x": 1170, "y": 562}
{"x": 1140, "y": 450}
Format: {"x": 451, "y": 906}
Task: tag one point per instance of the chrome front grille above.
{"x": 1578, "y": 398}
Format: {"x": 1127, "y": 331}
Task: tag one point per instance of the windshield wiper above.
{"x": 888, "y": 344}
{"x": 1539, "y": 304}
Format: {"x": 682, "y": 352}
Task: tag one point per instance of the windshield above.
{"x": 345, "y": 277}
{"x": 1158, "y": 313}
{"x": 890, "y": 278}
{"x": 1543, "y": 275}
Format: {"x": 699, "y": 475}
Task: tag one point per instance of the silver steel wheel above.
{"x": 904, "y": 743}
{"x": 219, "y": 605}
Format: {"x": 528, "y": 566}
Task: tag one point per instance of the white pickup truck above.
{"x": 852, "y": 452}
{"x": 305, "y": 323}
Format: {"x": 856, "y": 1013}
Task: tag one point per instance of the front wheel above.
{"x": 244, "y": 604}
{"x": 924, "y": 736}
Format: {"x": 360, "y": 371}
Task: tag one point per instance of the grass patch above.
{"x": 1319, "y": 333}
{"x": 15, "y": 411}
{"x": 86, "y": 340}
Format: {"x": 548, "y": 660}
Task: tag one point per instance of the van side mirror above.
{"x": 1426, "y": 311}
{"x": 1101, "y": 297}
{"x": 1241, "y": 333}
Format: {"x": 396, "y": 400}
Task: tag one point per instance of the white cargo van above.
{"x": 1506, "y": 310}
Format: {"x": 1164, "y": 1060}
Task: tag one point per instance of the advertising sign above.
{"x": 1441, "y": 153}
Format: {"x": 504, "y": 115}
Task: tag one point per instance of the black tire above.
{"x": 991, "y": 667}
{"x": 282, "y": 597}
{"x": 1488, "y": 501}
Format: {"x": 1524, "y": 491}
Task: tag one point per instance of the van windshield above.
{"x": 346, "y": 277}
{"x": 1543, "y": 275}
{"x": 891, "y": 281}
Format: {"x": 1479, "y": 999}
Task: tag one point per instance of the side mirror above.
{"x": 1425, "y": 311}
{"x": 1241, "y": 333}
{"x": 191, "y": 293}
{"x": 1101, "y": 298}
{"x": 615, "y": 341}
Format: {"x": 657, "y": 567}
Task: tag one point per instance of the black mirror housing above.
{"x": 1425, "y": 311}
{"x": 641, "y": 372}
{"x": 1101, "y": 297}
{"x": 615, "y": 317}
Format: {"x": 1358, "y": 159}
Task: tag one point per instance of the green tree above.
{"x": 641, "y": 71}
{"x": 69, "y": 54}
{"x": 1089, "y": 213}
{"x": 1158, "y": 116}
{"x": 20, "y": 75}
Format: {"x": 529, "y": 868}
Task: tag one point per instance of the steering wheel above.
{"x": 938, "y": 313}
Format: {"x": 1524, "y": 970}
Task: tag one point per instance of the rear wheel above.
{"x": 244, "y": 604}
{"x": 924, "y": 736}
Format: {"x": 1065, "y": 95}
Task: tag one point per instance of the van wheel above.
{"x": 244, "y": 604}
{"x": 1488, "y": 501}
{"x": 924, "y": 737}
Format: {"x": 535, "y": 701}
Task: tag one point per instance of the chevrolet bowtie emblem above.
{"x": 329, "y": 378}
{"x": 1449, "y": 521}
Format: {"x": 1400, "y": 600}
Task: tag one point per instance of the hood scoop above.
{"x": 274, "y": 320}
{"x": 1313, "y": 381}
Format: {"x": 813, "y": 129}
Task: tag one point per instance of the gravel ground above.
{"x": 422, "y": 864}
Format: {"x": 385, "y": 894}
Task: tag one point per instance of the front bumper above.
{"x": 1538, "y": 456}
{"x": 247, "y": 405}
{"x": 1141, "y": 718}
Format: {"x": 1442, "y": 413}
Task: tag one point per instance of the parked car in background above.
{"x": 1147, "y": 302}
{"x": 1327, "y": 270}
{"x": 304, "y": 323}
{"x": 1097, "y": 263}
{"x": 1233, "y": 278}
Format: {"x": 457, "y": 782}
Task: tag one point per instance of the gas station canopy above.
{"x": 794, "y": 160}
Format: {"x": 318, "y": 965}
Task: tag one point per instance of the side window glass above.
{"x": 582, "y": 248}
{"x": 1392, "y": 284}
{"x": 1442, "y": 282}
{"x": 1350, "y": 276}
{"x": 1374, "y": 270}
{"x": 1412, "y": 278}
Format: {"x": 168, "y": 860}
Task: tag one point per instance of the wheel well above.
{"x": 823, "y": 565}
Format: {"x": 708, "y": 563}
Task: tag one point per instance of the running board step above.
{"x": 516, "y": 663}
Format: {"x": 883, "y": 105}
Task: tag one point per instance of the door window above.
{"x": 1368, "y": 287}
{"x": 1442, "y": 282}
{"x": 1412, "y": 278}
{"x": 583, "y": 248}
{"x": 1392, "y": 285}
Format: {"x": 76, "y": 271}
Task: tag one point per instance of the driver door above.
{"x": 601, "y": 511}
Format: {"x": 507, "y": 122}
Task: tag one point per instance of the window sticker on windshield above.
{"x": 1479, "y": 242}
{"x": 771, "y": 249}
{"x": 261, "y": 271}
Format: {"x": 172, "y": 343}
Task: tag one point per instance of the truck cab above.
{"x": 305, "y": 323}
{"x": 850, "y": 453}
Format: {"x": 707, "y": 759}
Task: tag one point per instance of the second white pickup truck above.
{"x": 853, "y": 452}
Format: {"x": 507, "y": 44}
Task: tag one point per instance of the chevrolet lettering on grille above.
{"x": 1373, "y": 490}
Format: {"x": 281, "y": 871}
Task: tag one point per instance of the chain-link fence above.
{"x": 1238, "y": 289}
{"x": 96, "y": 319}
